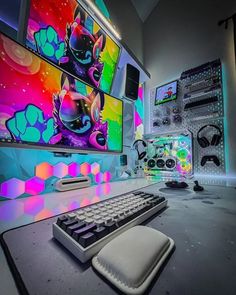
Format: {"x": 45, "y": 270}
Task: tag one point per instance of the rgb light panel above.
{"x": 65, "y": 33}
{"x": 14, "y": 187}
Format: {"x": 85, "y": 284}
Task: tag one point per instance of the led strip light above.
{"x": 102, "y": 18}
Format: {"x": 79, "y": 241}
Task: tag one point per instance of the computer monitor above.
{"x": 64, "y": 33}
{"x": 42, "y": 106}
{"x": 166, "y": 93}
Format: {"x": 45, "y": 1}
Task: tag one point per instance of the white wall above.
{"x": 181, "y": 34}
{"x": 124, "y": 16}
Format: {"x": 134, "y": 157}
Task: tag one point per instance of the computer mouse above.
{"x": 176, "y": 184}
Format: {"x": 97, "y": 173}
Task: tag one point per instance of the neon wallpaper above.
{"x": 41, "y": 104}
{"x": 63, "y": 32}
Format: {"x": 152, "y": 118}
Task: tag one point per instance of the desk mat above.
{"x": 203, "y": 262}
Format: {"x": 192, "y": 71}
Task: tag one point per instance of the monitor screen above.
{"x": 41, "y": 105}
{"x": 65, "y": 33}
{"x": 165, "y": 93}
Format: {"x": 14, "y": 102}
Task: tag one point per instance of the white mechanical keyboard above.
{"x": 85, "y": 231}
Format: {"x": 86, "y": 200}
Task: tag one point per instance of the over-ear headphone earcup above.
{"x": 203, "y": 142}
{"x": 215, "y": 139}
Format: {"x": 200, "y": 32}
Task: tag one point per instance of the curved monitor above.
{"x": 64, "y": 33}
{"x": 42, "y": 106}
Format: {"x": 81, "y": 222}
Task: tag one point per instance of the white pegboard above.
{"x": 209, "y": 168}
{"x": 158, "y": 113}
{"x": 195, "y": 85}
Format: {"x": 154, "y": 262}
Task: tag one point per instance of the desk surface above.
{"x": 14, "y": 213}
{"x": 195, "y": 221}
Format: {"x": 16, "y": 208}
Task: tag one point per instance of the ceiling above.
{"x": 144, "y": 7}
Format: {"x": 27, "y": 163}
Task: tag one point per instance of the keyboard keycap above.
{"x": 100, "y": 232}
{"x": 111, "y": 226}
{"x": 67, "y": 223}
{"x": 83, "y": 231}
{"x": 72, "y": 228}
{"x": 71, "y": 215}
{"x": 61, "y": 219}
{"x": 87, "y": 239}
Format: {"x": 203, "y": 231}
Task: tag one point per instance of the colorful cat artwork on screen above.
{"x": 43, "y": 105}
{"x": 64, "y": 33}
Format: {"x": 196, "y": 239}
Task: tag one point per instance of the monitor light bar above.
{"x": 98, "y": 13}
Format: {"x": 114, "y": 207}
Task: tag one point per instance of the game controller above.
{"x": 210, "y": 158}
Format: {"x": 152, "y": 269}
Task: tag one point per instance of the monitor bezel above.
{"x": 168, "y": 100}
{"x": 61, "y": 148}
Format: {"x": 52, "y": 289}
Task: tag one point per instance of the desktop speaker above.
{"x": 132, "y": 82}
{"x": 67, "y": 184}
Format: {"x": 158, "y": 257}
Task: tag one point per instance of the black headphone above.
{"x": 204, "y": 142}
{"x": 142, "y": 154}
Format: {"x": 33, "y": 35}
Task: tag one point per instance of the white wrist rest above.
{"x": 131, "y": 260}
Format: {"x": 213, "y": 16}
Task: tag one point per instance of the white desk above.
{"x": 14, "y": 213}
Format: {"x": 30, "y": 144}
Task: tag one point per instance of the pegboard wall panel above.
{"x": 166, "y": 117}
{"x": 201, "y": 92}
{"x": 199, "y": 102}
{"x": 210, "y": 167}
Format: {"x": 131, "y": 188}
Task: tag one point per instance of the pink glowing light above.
{"x": 85, "y": 202}
{"x": 107, "y": 176}
{"x": 73, "y": 169}
{"x": 33, "y": 205}
{"x": 106, "y": 188}
{"x": 137, "y": 119}
{"x": 34, "y": 186}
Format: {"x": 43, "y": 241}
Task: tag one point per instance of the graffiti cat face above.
{"x": 79, "y": 113}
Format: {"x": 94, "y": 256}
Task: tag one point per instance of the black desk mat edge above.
{"x": 15, "y": 273}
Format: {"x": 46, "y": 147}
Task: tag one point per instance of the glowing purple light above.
{"x": 60, "y": 170}
{"x": 99, "y": 177}
{"x": 12, "y": 188}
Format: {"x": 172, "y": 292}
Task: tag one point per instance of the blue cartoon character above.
{"x": 80, "y": 52}
{"x": 76, "y": 120}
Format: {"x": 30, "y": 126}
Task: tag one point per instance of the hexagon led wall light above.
{"x": 99, "y": 177}
{"x": 34, "y": 186}
{"x": 12, "y": 188}
{"x": 85, "y": 169}
{"x": 107, "y": 176}
{"x": 60, "y": 170}
{"x": 73, "y": 169}
{"x": 44, "y": 170}
{"x": 95, "y": 168}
